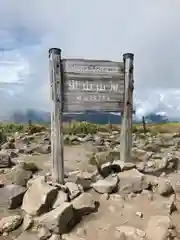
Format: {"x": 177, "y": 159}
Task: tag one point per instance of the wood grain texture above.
{"x": 126, "y": 127}
{"x": 93, "y": 67}
{"x": 92, "y": 85}
{"x": 56, "y": 89}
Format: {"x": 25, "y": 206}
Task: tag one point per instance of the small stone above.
{"x": 5, "y": 234}
{"x": 43, "y": 233}
{"x": 107, "y": 185}
{"x": 73, "y": 189}
{"x": 164, "y": 187}
{"x": 140, "y": 233}
{"x": 85, "y": 179}
{"x": 81, "y": 232}
{"x": 139, "y": 214}
{"x": 9, "y": 224}
{"x": 131, "y": 232}
{"x": 131, "y": 195}
{"x": 84, "y": 203}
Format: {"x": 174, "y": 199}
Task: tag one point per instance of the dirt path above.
{"x": 75, "y": 158}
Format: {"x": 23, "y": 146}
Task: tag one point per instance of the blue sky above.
{"x": 101, "y": 29}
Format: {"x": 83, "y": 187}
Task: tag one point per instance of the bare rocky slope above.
{"x": 103, "y": 198}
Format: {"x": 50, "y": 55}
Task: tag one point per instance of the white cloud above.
{"x": 13, "y": 68}
{"x": 91, "y": 29}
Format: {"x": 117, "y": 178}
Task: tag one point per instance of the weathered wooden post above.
{"x": 144, "y": 125}
{"x": 57, "y": 155}
{"x": 126, "y": 127}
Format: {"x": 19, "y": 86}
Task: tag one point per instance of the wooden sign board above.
{"x": 92, "y": 85}
{"x": 79, "y": 85}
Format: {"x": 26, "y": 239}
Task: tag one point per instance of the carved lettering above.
{"x": 71, "y": 85}
{"x": 93, "y": 98}
{"x": 91, "y": 68}
{"x": 101, "y": 87}
{"x": 114, "y": 87}
{"x": 88, "y": 86}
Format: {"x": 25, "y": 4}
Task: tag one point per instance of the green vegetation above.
{"x": 10, "y": 128}
{"x": 7, "y": 129}
{"x": 3, "y": 136}
{"x": 30, "y": 166}
{"x": 158, "y": 128}
{"x": 80, "y": 127}
{"x": 75, "y": 127}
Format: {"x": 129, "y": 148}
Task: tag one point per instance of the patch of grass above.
{"x": 3, "y": 136}
{"x": 12, "y": 127}
{"x": 75, "y": 127}
{"x": 160, "y": 128}
{"x": 30, "y": 166}
{"x": 35, "y": 128}
{"x": 80, "y": 127}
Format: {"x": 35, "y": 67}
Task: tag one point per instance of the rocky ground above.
{"x": 103, "y": 198}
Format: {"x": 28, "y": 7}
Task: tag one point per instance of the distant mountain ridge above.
{"x": 39, "y": 116}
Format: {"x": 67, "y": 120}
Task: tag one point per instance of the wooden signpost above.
{"x": 79, "y": 85}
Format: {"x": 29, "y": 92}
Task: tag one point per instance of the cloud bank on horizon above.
{"x": 100, "y": 29}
